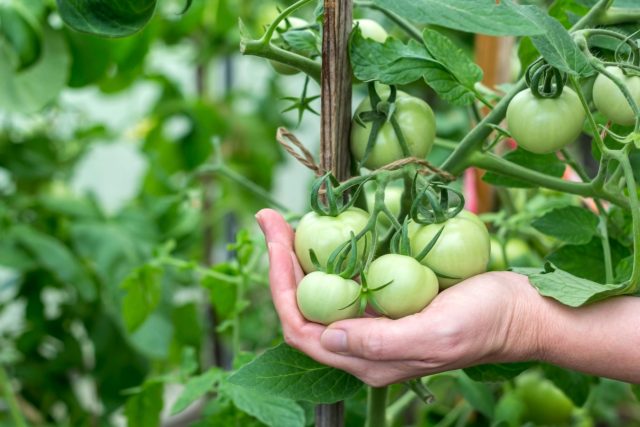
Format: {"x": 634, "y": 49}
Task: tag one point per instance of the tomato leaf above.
{"x": 570, "y": 224}
{"x": 478, "y": 394}
{"x": 143, "y": 289}
{"x": 554, "y": 42}
{"x": 21, "y": 35}
{"x": 548, "y": 164}
{"x": 497, "y": 372}
{"x": 195, "y": 388}
{"x": 624, "y": 269}
{"x": 274, "y": 411}
{"x": 569, "y": 289}
{"x": 586, "y": 261}
{"x": 574, "y": 384}
{"x": 478, "y": 16}
{"x": 143, "y": 409}
{"x": 286, "y": 372}
{"x": 106, "y": 18}
{"x": 452, "y": 75}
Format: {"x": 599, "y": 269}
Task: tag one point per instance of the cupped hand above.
{"x": 485, "y": 319}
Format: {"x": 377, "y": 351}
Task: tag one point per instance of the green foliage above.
{"x": 107, "y": 18}
{"x": 570, "y": 224}
{"x": 548, "y": 164}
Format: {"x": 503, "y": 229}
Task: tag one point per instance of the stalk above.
{"x": 377, "y": 406}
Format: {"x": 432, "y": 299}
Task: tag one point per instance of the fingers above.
{"x": 277, "y": 230}
{"x": 378, "y": 338}
{"x": 283, "y": 285}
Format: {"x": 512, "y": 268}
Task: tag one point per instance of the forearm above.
{"x": 601, "y": 339}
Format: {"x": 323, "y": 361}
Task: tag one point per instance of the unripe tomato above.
{"x": 610, "y": 100}
{"x": 325, "y": 298}
{"x": 279, "y": 67}
{"x": 519, "y": 254}
{"x": 371, "y": 30}
{"x": 545, "y": 125}
{"x": 545, "y": 403}
{"x": 462, "y": 250}
{"x": 415, "y": 118}
{"x": 324, "y": 234}
{"x": 413, "y": 286}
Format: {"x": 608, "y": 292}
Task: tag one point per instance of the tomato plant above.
{"x": 326, "y": 298}
{"x": 415, "y": 121}
{"x": 610, "y": 100}
{"x": 401, "y": 285}
{"x": 544, "y": 403}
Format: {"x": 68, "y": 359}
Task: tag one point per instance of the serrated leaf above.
{"x": 477, "y": 16}
{"x": 569, "y": 289}
{"x": 195, "y": 388}
{"x": 497, "y": 372}
{"x": 286, "y": 372}
{"x": 274, "y": 411}
{"x": 396, "y": 63}
{"x": 586, "y": 261}
{"x": 302, "y": 42}
{"x": 554, "y": 42}
{"x": 570, "y": 224}
{"x": 107, "y": 18}
{"x": 143, "y": 289}
{"x": 143, "y": 409}
{"x": 574, "y": 384}
{"x": 548, "y": 164}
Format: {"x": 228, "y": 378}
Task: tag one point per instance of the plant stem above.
{"x": 266, "y": 37}
{"x": 594, "y": 15}
{"x": 377, "y": 406}
{"x": 634, "y": 282}
{"x": 12, "y": 403}
{"x": 619, "y": 15}
{"x": 493, "y": 163}
{"x": 269, "y": 51}
{"x": 399, "y": 406}
{"x": 458, "y": 160}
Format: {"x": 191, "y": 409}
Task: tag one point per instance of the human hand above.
{"x": 487, "y": 318}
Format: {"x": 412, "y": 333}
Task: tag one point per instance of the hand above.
{"x": 484, "y": 319}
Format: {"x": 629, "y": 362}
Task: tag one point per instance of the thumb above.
{"x": 376, "y": 338}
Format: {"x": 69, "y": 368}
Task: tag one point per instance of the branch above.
{"x": 267, "y": 50}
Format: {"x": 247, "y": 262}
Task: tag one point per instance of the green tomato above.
{"x": 610, "y": 100}
{"x": 545, "y": 403}
{"x": 510, "y": 410}
{"x": 325, "y": 298}
{"x": 519, "y": 254}
{"x": 545, "y": 125}
{"x": 324, "y": 234}
{"x": 371, "y": 30}
{"x": 415, "y": 119}
{"x": 413, "y": 286}
{"x": 461, "y": 251}
{"x": 294, "y": 23}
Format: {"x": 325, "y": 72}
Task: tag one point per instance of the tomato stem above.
{"x": 634, "y": 281}
{"x": 377, "y": 406}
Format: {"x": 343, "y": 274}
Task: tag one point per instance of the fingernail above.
{"x": 258, "y": 218}
{"x": 334, "y": 340}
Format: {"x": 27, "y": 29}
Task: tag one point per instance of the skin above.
{"x": 490, "y": 318}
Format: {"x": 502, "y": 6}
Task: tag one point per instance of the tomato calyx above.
{"x": 544, "y": 80}
{"x": 432, "y": 204}
{"x": 336, "y": 198}
{"x": 382, "y": 112}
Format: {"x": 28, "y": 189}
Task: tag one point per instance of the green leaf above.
{"x": 272, "y": 410}
{"x": 586, "y": 261}
{"x": 302, "y": 42}
{"x": 286, "y": 372}
{"x": 195, "y": 388}
{"x": 223, "y": 294}
{"x": 548, "y": 164}
{"x": 636, "y": 391}
{"x": 20, "y": 35}
{"x": 477, "y": 394}
{"x": 91, "y": 57}
{"x": 107, "y": 18}
{"x": 554, "y": 42}
{"x": 569, "y": 289}
{"x": 477, "y": 16}
{"x": 30, "y": 90}
{"x": 56, "y": 258}
{"x": 570, "y": 224}
{"x": 624, "y": 269}
{"x": 574, "y": 384}
{"x": 143, "y": 409}
{"x": 143, "y": 289}
{"x": 497, "y": 372}
{"x": 153, "y": 337}
{"x": 395, "y": 63}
